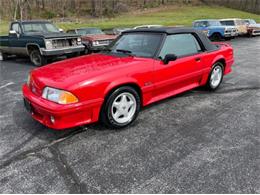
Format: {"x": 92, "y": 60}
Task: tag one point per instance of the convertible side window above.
{"x": 180, "y": 45}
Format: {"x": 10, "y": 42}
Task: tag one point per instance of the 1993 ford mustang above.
{"x": 141, "y": 67}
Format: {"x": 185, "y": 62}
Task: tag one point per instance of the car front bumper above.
{"x": 256, "y": 32}
{"x": 62, "y": 51}
{"x": 57, "y": 116}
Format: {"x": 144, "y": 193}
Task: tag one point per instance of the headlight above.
{"x": 48, "y": 44}
{"x": 95, "y": 43}
{"x": 59, "y": 96}
{"x": 79, "y": 41}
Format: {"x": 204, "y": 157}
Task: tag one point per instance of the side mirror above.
{"x": 169, "y": 57}
{"x": 12, "y": 32}
{"x": 61, "y": 30}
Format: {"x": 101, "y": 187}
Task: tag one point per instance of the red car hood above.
{"x": 98, "y": 37}
{"x": 70, "y": 73}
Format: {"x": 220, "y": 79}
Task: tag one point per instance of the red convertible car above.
{"x": 141, "y": 67}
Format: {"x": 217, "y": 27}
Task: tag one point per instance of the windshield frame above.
{"x": 38, "y": 23}
{"x": 154, "y": 56}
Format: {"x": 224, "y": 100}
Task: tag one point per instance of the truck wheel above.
{"x": 37, "y": 59}
{"x": 120, "y": 108}
{"x": 4, "y": 56}
{"x": 216, "y": 37}
{"x": 215, "y": 76}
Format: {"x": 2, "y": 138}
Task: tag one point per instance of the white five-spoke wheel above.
{"x": 121, "y": 107}
{"x": 215, "y": 77}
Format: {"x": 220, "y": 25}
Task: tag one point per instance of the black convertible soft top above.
{"x": 177, "y": 30}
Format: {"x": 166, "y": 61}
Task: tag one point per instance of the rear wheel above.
{"x": 215, "y": 77}
{"x": 121, "y": 107}
{"x": 3, "y": 56}
{"x": 37, "y": 59}
{"x": 216, "y": 37}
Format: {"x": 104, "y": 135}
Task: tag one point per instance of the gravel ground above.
{"x": 196, "y": 142}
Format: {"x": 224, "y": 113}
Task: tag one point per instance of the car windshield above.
{"x": 137, "y": 44}
{"x": 40, "y": 27}
{"x": 90, "y": 31}
{"x": 250, "y": 21}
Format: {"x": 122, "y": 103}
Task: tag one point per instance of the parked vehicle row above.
{"x": 41, "y": 40}
{"x": 227, "y": 28}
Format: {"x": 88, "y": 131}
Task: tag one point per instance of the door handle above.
{"x": 197, "y": 59}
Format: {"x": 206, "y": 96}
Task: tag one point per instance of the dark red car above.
{"x": 141, "y": 67}
{"x": 94, "y": 39}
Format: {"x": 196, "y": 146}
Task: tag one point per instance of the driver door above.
{"x": 182, "y": 74}
{"x": 16, "y": 40}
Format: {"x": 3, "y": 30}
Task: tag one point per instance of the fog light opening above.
{"x": 52, "y": 119}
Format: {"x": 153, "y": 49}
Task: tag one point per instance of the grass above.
{"x": 170, "y": 16}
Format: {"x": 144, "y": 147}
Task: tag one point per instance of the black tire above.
{"x": 216, "y": 37}
{"x": 209, "y": 84}
{"x": 4, "y": 56}
{"x": 106, "y": 112}
{"x": 37, "y": 59}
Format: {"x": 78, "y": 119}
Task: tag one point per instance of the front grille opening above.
{"x": 62, "y": 43}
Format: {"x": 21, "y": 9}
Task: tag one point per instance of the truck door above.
{"x": 16, "y": 42}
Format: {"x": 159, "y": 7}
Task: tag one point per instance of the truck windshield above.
{"x": 214, "y": 23}
{"x": 39, "y": 27}
{"x": 90, "y": 31}
{"x": 137, "y": 44}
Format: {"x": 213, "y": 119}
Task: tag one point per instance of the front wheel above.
{"x": 215, "y": 77}
{"x": 121, "y": 107}
{"x": 37, "y": 59}
{"x": 216, "y": 37}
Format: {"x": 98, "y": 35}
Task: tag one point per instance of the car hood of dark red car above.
{"x": 69, "y": 73}
{"x": 97, "y": 37}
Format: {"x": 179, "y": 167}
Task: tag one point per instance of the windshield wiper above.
{"x": 125, "y": 51}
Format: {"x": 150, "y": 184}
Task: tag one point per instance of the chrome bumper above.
{"x": 62, "y": 51}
